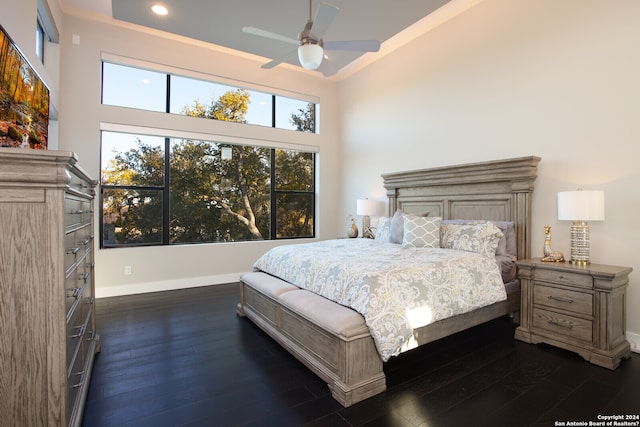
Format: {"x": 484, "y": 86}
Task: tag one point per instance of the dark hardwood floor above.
{"x": 184, "y": 358}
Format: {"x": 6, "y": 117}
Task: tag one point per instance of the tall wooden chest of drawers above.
{"x": 48, "y": 339}
{"x": 578, "y": 308}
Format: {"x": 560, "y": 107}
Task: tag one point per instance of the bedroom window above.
{"x": 46, "y": 30}
{"x": 165, "y": 190}
{"x": 40, "y": 41}
{"x": 131, "y": 87}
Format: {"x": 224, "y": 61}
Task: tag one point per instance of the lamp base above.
{"x": 366, "y": 227}
{"x": 580, "y": 243}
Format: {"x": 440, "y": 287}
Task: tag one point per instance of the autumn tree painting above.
{"x": 24, "y": 100}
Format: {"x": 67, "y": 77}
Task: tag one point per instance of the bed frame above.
{"x": 332, "y": 340}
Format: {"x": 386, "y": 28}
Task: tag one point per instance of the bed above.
{"x": 335, "y": 341}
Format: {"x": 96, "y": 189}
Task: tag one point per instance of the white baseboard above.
{"x": 634, "y": 340}
{"x": 142, "y": 288}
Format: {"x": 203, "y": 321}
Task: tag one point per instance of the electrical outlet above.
{"x": 127, "y": 270}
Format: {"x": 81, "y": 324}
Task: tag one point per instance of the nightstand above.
{"x": 578, "y": 308}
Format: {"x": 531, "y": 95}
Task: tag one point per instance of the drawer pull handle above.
{"x": 76, "y": 293}
{"x": 80, "y": 332}
{"x": 567, "y": 300}
{"x": 79, "y": 384}
{"x": 78, "y": 212}
{"x": 73, "y": 250}
{"x": 562, "y": 325}
{"x": 86, "y": 242}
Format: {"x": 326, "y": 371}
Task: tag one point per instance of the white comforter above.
{"x": 396, "y": 289}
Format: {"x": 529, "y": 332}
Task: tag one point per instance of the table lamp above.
{"x": 580, "y": 206}
{"x": 366, "y": 207}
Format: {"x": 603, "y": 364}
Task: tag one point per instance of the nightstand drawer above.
{"x": 567, "y": 326}
{"x": 563, "y": 299}
{"x": 564, "y": 278}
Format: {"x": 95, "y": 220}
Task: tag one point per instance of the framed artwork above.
{"x": 24, "y": 100}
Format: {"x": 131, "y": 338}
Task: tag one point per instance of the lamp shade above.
{"x": 581, "y": 205}
{"x": 366, "y": 207}
{"x": 310, "y": 56}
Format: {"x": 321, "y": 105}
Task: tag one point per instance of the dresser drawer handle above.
{"x": 79, "y": 384}
{"x": 567, "y": 300}
{"x": 86, "y": 242}
{"x": 562, "y": 325}
{"x": 76, "y": 293}
{"x": 80, "y": 332}
{"x": 85, "y": 277}
{"x": 73, "y": 250}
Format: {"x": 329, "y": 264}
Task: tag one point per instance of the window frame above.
{"x": 165, "y": 189}
{"x": 184, "y": 74}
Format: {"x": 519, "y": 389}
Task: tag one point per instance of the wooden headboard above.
{"x": 498, "y": 190}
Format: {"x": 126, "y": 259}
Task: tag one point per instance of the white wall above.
{"x": 81, "y": 115}
{"x": 555, "y": 79}
{"x": 18, "y": 18}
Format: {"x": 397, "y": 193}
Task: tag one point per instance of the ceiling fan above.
{"x": 310, "y": 44}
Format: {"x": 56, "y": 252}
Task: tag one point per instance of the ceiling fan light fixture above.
{"x": 310, "y": 55}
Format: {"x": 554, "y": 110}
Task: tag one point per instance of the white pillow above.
{"x": 383, "y": 230}
{"x": 421, "y": 232}
{"x": 482, "y": 237}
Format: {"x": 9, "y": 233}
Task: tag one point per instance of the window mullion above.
{"x": 272, "y": 229}
{"x": 165, "y": 193}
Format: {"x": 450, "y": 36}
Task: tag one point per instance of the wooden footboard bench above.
{"x": 331, "y": 340}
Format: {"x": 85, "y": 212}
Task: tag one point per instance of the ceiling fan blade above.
{"x": 269, "y": 35}
{"x": 355, "y": 45}
{"x": 291, "y": 56}
{"x": 323, "y": 20}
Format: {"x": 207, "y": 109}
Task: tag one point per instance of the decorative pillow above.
{"x": 508, "y": 268}
{"x": 507, "y": 245}
{"x": 482, "y": 237}
{"x": 397, "y": 225}
{"x": 421, "y": 232}
{"x": 383, "y": 230}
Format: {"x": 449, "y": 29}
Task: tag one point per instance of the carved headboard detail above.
{"x": 498, "y": 190}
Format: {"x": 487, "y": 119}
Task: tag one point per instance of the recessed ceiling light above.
{"x": 159, "y": 9}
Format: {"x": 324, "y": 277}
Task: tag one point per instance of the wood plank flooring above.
{"x": 184, "y": 358}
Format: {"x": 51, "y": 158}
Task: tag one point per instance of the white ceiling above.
{"x": 221, "y": 22}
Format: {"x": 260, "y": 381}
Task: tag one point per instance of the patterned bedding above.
{"x": 396, "y": 289}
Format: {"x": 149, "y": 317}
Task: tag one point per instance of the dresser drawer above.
{"x": 77, "y": 377}
{"x": 563, "y": 299}
{"x": 76, "y": 327}
{"x": 80, "y": 327}
{"x": 564, "y": 278}
{"x": 562, "y": 324}
{"x": 74, "y": 287}
{"x": 77, "y": 210}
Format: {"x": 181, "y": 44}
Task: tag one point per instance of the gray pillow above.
{"x": 397, "y": 225}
